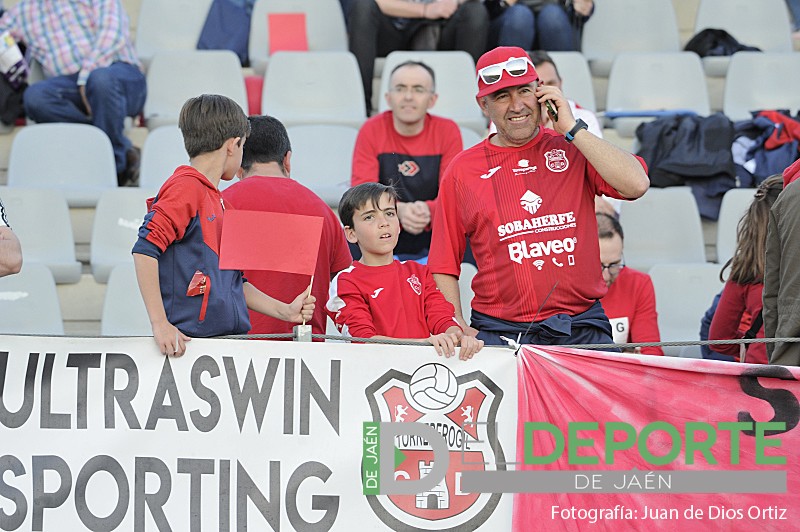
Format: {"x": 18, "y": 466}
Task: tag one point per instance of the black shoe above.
{"x": 130, "y": 176}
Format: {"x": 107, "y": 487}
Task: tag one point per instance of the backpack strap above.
{"x": 756, "y": 325}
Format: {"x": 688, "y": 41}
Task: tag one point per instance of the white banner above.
{"x": 107, "y": 434}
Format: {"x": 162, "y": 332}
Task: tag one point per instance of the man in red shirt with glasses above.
{"x": 525, "y": 198}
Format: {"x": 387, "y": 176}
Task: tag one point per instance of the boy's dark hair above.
{"x": 360, "y": 195}
{"x": 608, "y": 226}
{"x": 268, "y": 142}
{"x": 208, "y": 120}
{"x": 419, "y": 64}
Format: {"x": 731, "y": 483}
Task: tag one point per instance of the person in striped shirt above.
{"x": 92, "y": 73}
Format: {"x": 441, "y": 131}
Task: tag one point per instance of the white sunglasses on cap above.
{"x": 515, "y": 66}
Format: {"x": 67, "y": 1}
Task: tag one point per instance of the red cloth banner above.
{"x": 654, "y": 407}
{"x": 256, "y": 240}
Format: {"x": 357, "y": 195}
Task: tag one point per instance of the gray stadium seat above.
{"x": 642, "y": 82}
{"x": 683, "y": 294}
{"x": 618, "y": 26}
{"x": 298, "y": 89}
{"x": 576, "y": 78}
{"x": 174, "y": 77}
{"x": 455, "y": 84}
{"x": 169, "y": 25}
{"x": 764, "y": 24}
{"x": 78, "y": 161}
{"x": 325, "y": 27}
{"x": 663, "y": 226}
{"x": 29, "y": 302}
{"x": 41, "y": 220}
{"x": 124, "y": 313}
{"x": 735, "y": 203}
{"x": 469, "y": 137}
{"x": 117, "y": 219}
{"x": 163, "y": 151}
{"x": 759, "y": 81}
{"x": 322, "y": 159}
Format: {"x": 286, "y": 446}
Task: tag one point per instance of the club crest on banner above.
{"x": 463, "y": 409}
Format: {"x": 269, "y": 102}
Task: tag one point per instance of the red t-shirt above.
{"x": 413, "y": 165}
{"x": 630, "y": 305}
{"x": 529, "y": 215}
{"x": 284, "y": 195}
{"x": 736, "y": 299}
{"x": 398, "y": 300}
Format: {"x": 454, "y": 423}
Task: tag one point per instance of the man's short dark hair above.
{"x": 268, "y": 142}
{"x": 208, "y": 120}
{"x": 608, "y": 226}
{"x": 540, "y": 56}
{"x": 361, "y": 195}
{"x": 419, "y": 64}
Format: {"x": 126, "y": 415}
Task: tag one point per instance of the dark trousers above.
{"x": 589, "y": 327}
{"x": 113, "y": 92}
{"x": 373, "y": 34}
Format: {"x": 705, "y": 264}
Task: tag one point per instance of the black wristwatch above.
{"x": 580, "y": 124}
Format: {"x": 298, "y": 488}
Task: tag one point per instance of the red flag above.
{"x": 257, "y": 240}
{"x": 287, "y": 32}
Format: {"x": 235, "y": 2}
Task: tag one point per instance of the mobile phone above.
{"x": 551, "y": 110}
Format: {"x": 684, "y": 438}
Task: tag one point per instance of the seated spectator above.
{"x": 380, "y": 297}
{"x": 630, "y": 303}
{"x": 267, "y": 186}
{"x": 10, "y": 250}
{"x": 93, "y": 74}
{"x": 744, "y": 288}
{"x": 377, "y": 27}
{"x": 408, "y": 148}
{"x": 552, "y": 25}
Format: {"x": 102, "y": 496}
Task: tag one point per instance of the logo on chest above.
{"x": 530, "y": 202}
{"x": 416, "y": 284}
{"x": 556, "y": 160}
{"x": 524, "y": 167}
{"x": 408, "y": 168}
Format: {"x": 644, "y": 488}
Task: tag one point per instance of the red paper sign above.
{"x": 257, "y": 240}
{"x": 287, "y": 32}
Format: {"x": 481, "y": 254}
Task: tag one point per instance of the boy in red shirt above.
{"x": 380, "y": 297}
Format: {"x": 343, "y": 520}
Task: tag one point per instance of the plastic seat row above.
{"x": 302, "y": 87}
{"x": 664, "y": 227}
{"x": 619, "y": 26}
{"x": 642, "y": 85}
{"x": 30, "y": 303}
{"x": 175, "y": 25}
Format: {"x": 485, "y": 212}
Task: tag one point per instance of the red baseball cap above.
{"x": 498, "y": 58}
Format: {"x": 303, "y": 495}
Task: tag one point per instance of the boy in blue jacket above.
{"x": 177, "y": 253}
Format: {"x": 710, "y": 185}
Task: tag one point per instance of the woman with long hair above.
{"x": 739, "y": 309}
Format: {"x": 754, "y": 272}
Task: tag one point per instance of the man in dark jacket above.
{"x": 782, "y": 273}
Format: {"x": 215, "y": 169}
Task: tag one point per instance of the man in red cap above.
{"x": 525, "y": 198}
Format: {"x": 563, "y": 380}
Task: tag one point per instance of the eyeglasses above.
{"x": 614, "y": 268}
{"x": 515, "y": 66}
{"x": 416, "y": 90}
